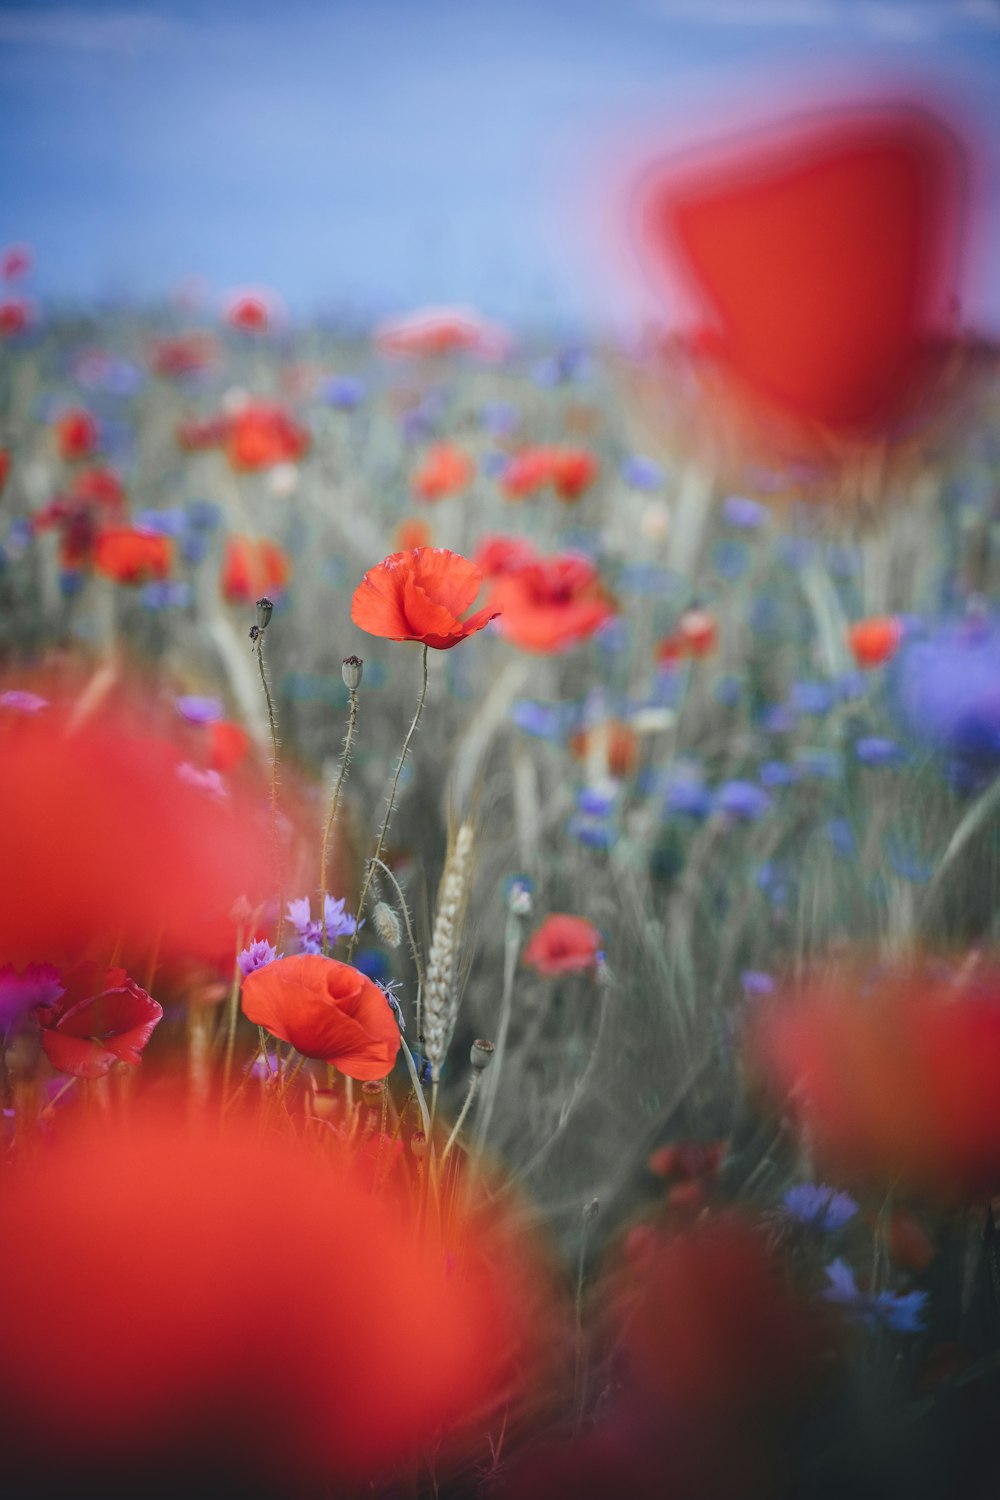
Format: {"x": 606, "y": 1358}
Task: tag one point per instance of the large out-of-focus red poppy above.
{"x": 421, "y": 596}
{"x": 76, "y": 434}
{"x": 171, "y": 1230}
{"x": 564, "y": 945}
{"x": 107, "y": 848}
{"x": 327, "y": 1010}
{"x": 446, "y": 470}
{"x": 435, "y": 331}
{"x": 262, "y": 435}
{"x": 252, "y": 568}
{"x": 896, "y": 1077}
{"x": 129, "y": 555}
{"x": 552, "y": 604}
{"x": 103, "y": 1017}
{"x": 822, "y": 257}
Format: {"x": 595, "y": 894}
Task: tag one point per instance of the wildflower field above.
{"x": 500, "y": 872}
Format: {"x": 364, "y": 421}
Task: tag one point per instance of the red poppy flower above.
{"x": 823, "y": 258}
{"x": 327, "y": 1010}
{"x": 252, "y": 568}
{"x": 527, "y": 472}
{"x": 76, "y": 435}
{"x": 249, "y": 313}
{"x": 616, "y": 743}
{"x": 228, "y": 744}
{"x": 895, "y": 1079}
{"x": 552, "y": 604}
{"x": 15, "y": 262}
{"x": 698, "y": 631}
{"x": 564, "y": 945}
{"x": 15, "y": 316}
{"x": 196, "y": 434}
{"x": 169, "y": 1239}
{"x": 497, "y": 555}
{"x": 112, "y": 1023}
{"x": 573, "y": 472}
{"x": 874, "y": 642}
{"x": 434, "y": 331}
{"x": 4, "y": 468}
{"x": 107, "y": 846}
{"x": 185, "y": 354}
{"x": 98, "y": 487}
{"x": 131, "y": 556}
{"x": 419, "y": 596}
{"x": 446, "y": 470}
{"x": 412, "y": 533}
{"x": 262, "y": 435}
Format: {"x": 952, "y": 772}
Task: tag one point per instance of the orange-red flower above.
{"x": 420, "y": 596}
{"x": 101, "y": 1019}
{"x": 131, "y": 556}
{"x": 15, "y": 315}
{"x": 446, "y": 470}
{"x": 411, "y": 533}
{"x": 252, "y": 568}
{"x": 248, "y": 313}
{"x": 262, "y": 435}
{"x": 437, "y": 331}
{"x": 552, "y": 604}
{"x": 896, "y": 1077}
{"x": 573, "y": 472}
{"x": 76, "y": 434}
{"x": 327, "y": 1010}
{"x": 875, "y": 641}
{"x": 503, "y": 554}
{"x": 527, "y": 472}
{"x": 564, "y": 945}
{"x": 618, "y": 743}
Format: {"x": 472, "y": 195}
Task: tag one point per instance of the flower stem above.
{"x": 392, "y": 800}
{"x": 456, "y": 1128}
{"x": 351, "y": 722}
{"x": 272, "y": 725}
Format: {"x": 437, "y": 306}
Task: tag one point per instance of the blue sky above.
{"x": 382, "y": 154}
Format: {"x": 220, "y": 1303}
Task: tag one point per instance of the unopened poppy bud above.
{"x": 481, "y": 1054}
{"x": 352, "y": 671}
{"x": 264, "y": 611}
{"x": 418, "y": 1145}
{"x": 387, "y": 925}
{"x": 371, "y": 1093}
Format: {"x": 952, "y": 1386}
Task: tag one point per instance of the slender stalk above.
{"x": 352, "y": 720}
{"x": 456, "y": 1128}
{"x": 414, "y": 950}
{"x": 233, "y": 1011}
{"x": 512, "y": 947}
{"x": 392, "y": 800}
{"x": 418, "y": 1091}
{"x": 272, "y": 725}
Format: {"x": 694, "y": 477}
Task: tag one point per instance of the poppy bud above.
{"x": 481, "y": 1054}
{"x": 418, "y": 1145}
{"x": 372, "y": 1093}
{"x": 352, "y": 671}
{"x": 264, "y": 611}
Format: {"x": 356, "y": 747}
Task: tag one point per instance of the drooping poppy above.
{"x": 874, "y": 642}
{"x": 446, "y": 470}
{"x": 131, "y": 556}
{"x": 262, "y": 435}
{"x": 327, "y": 1010}
{"x": 564, "y": 945}
{"x": 101, "y": 1019}
{"x": 552, "y": 604}
{"x": 76, "y": 435}
{"x": 420, "y": 596}
{"x": 253, "y": 568}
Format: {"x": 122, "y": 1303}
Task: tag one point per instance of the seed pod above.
{"x": 264, "y": 610}
{"x": 481, "y": 1054}
{"x": 352, "y": 671}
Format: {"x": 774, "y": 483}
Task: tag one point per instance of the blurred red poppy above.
{"x": 184, "y": 354}
{"x": 446, "y": 470}
{"x": 895, "y": 1075}
{"x": 4, "y": 468}
{"x": 527, "y": 472}
{"x": 327, "y": 1010}
{"x": 228, "y": 744}
{"x": 436, "y": 331}
{"x": 420, "y": 596}
{"x": 496, "y": 555}
{"x": 131, "y": 556}
{"x": 573, "y": 472}
{"x": 15, "y": 262}
{"x": 412, "y": 533}
{"x": 15, "y": 315}
{"x": 874, "y": 642}
{"x": 249, "y": 313}
{"x": 252, "y": 568}
{"x": 564, "y": 945}
{"x": 262, "y": 435}
{"x": 76, "y": 435}
{"x": 698, "y": 632}
{"x": 107, "y": 847}
{"x": 99, "y": 487}
{"x": 617, "y": 744}
{"x": 169, "y": 1231}
{"x": 112, "y": 1022}
{"x": 823, "y": 258}
{"x": 552, "y": 604}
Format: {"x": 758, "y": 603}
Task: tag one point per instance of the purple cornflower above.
{"x": 742, "y": 800}
{"x": 259, "y": 954}
{"x": 342, "y": 392}
{"x": 22, "y": 701}
{"x": 820, "y": 765}
{"x": 688, "y": 794}
{"x": 776, "y": 773}
{"x": 170, "y": 522}
{"x": 820, "y": 1207}
{"x": 743, "y": 513}
{"x": 875, "y": 750}
{"x": 199, "y": 710}
{"x": 310, "y": 932}
{"x": 946, "y": 689}
{"x": 165, "y": 593}
{"x": 756, "y": 983}
{"x": 899, "y": 1312}
{"x": 642, "y": 473}
{"x": 811, "y": 697}
{"x": 38, "y": 985}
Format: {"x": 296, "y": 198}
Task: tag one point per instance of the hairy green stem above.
{"x": 345, "y": 757}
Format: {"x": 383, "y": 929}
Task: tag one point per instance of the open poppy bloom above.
{"x": 129, "y": 555}
{"x": 262, "y": 435}
{"x": 564, "y": 945}
{"x": 822, "y": 257}
{"x": 327, "y": 1010}
{"x": 446, "y": 470}
{"x": 76, "y": 435}
{"x": 895, "y": 1079}
{"x": 252, "y": 568}
{"x": 111, "y": 1023}
{"x": 552, "y": 604}
{"x": 420, "y": 596}
{"x": 436, "y": 331}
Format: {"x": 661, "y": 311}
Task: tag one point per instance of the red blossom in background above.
{"x": 552, "y": 604}
{"x": 15, "y": 262}
{"x": 564, "y": 945}
{"x": 16, "y": 314}
{"x": 574, "y": 470}
{"x": 184, "y": 354}
{"x": 112, "y": 1023}
{"x": 446, "y": 470}
{"x": 616, "y": 743}
{"x": 420, "y": 596}
{"x": 496, "y": 555}
{"x": 130, "y": 556}
{"x": 249, "y": 313}
{"x": 436, "y": 331}
{"x": 412, "y": 533}
{"x": 327, "y": 1010}
{"x": 262, "y": 435}
{"x": 196, "y": 434}
{"x": 874, "y": 642}
{"x": 76, "y": 435}
{"x": 252, "y": 568}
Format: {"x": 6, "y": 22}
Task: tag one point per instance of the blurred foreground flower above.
{"x": 103, "y": 1018}
{"x": 552, "y": 604}
{"x": 420, "y": 596}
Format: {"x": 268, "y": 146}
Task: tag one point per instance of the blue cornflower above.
{"x": 548, "y": 721}
{"x": 821, "y": 765}
{"x": 776, "y": 773}
{"x": 165, "y": 593}
{"x": 841, "y": 835}
{"x": 342, "y": 392}
{"x": 946, "y": 689}
{"x": 743, "y": 513}
{"x": 169, "y": 522}
{"x": 811, "y": 697}
{"x": 819, "y": 1206}
{"x": 688, "y": 795}
{"x": 742, "y": 800}
{"x": 594, "y": 833}
{"x": 875, "y": 750}
{"x": 756, "y": 983}
{"x": 258, "y": 955}
{"x": 375, "y": 964}
{"x": 642, "y": 473}
{"x": 204, "y": 515}
{"x": 310, "y": 932}
{"x": 899, "y": 1312}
